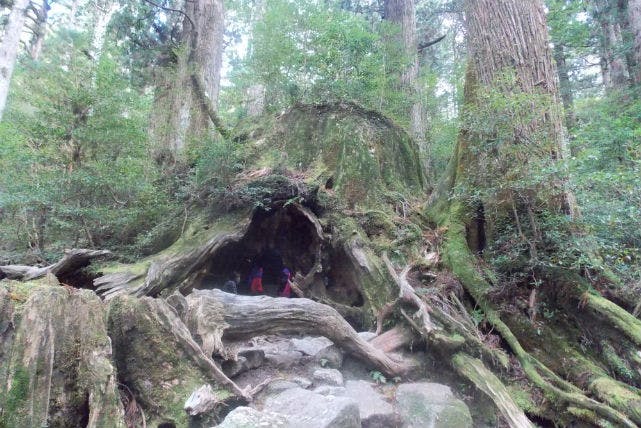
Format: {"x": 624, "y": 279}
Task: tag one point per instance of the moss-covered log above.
{"x": 474, "y": 370}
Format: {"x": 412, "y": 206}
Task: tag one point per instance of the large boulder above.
{"x": 431, "y": 405}
{"x": 246, "y": 417}
{"x": 328, "y": 377}
{"x": 55, "y": 358}
{"x": 375, "y": 412}
{"x": 305, "y": 409}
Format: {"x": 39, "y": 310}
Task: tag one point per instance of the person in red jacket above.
{"x": 285, "y": 283}
{"x": 256, "y": 284}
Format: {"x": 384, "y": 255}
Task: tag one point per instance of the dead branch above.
{"x": 71, "y": 261}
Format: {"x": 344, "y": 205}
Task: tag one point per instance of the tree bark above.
{"x": 403, "y": 14}
{"x": 613, "y": 66}
{"x": 512, "y": 37}
{"x": 103, "y": 13}
{"x": 41, "y": 16}
{"x": 634, "y": 27}
{"x": 564, "y": 84}
{"x": 9, "y": 48}
{"x": 187, "y": 90}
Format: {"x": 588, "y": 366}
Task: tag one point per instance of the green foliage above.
{"x": 317, "y": 52}
{"x": 77, "y": 170}
{"x": 378, "y": 377}
{"x": 606, "y": 171}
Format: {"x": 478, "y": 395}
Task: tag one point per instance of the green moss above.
{"x": 152, "y": 362}
{"x": 363, "y": 152}
{"x": 16, "y": 400}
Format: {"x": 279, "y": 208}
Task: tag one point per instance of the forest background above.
{"x": 86, "y": 161}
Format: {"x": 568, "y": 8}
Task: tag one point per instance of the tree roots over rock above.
{"x": 606, "y": 400}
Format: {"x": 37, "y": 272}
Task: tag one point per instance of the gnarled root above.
{"x": 213, "y": 315}
{"x": 460, "y": 260}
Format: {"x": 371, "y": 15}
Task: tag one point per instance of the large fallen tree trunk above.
{"x": 71, "y": 261}
{"x": 214, "y": 316}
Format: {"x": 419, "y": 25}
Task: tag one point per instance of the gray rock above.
{"x": 305, "y": 409}
{"x": 246, "y": 417}
{"x": 280, "y": 385}
{"x": 285, "y": 359}
{"x": 330, "y": 390}
{"x": 431, "y": 405}
{"x": 330, "y": 356}
{"x": 311, "y": 345}
{"x": 366, "y": 335}
{"x": 328, "y": 377}
{"x": 375, "y": 412}
{"x": 247, "y": 359}
{"x": 303, "y": 382}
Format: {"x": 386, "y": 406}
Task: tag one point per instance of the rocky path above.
{"x": 310, "y": 384}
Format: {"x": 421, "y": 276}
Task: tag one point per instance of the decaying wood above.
{"x": 248, "y": 316}
{"x": 71, "y": 261}
{"x": 394, "y": 339}
{"x": 125, "y": 314}
{"x": 174, "y": 271}
{"x": 474, "y": 370}
{"x": 202, "y": 400}
{"x": 115, "y": 281}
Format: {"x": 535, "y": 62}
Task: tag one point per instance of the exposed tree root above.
{"x": 460, "y": 260}
{"x": 213, "y": 315}
{"x": 474, "y": 370}
{"x": 587, "y": 298}
{"x": 71, "y": 261}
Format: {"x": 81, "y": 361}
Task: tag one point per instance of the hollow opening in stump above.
{"x": 276, "y": 239}
{"x": 285, "y": 237}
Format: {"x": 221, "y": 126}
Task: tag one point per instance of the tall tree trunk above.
{"x": 40, "y": 18}
{"x": 564, "y": 84}
{"x": 634, "y": 27}
{"x": 9, "y": 48}
{"x": 511, "y": 74}
{"x": 511, "y": 37}
{"x": 187, "y": 92}
{"x": 104, "y": 11}
{"x": 613, "y": 62}
{"x": 403, "y": 14}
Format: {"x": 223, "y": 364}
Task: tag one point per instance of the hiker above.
{"x": 256, "y": 281}
{"x": 286, "y": 283}
{"x": 231, "y": 286}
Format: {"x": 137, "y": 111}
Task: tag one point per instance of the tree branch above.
{"x": 168, "y": 9}
{"x": 425, "y": 45}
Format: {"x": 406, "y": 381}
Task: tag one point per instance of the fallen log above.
{"x": 71, "y": 261}
{"x": 214, "y": 316}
